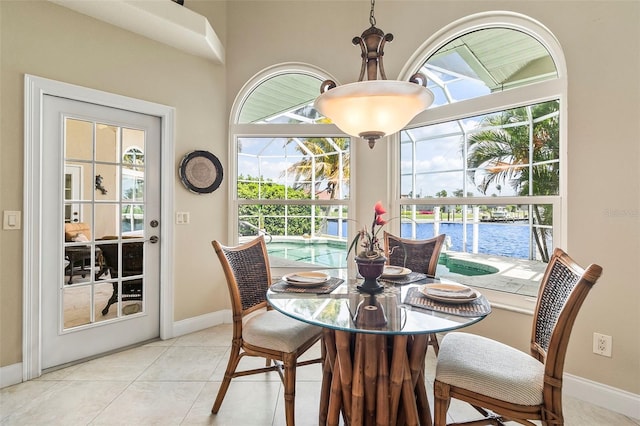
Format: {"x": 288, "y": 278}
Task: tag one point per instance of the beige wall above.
{"x": 601, "y": 41}
{"x": 44, "y": 39}
{"x": 604, "y": 155}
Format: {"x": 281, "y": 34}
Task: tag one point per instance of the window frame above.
{"x": 554, "y": 89}
{"x": 238, "y": 131}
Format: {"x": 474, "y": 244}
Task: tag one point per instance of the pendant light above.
{"x": 373, "y": 108}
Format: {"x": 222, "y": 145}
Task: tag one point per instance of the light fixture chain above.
{"x": 372, "y": 18}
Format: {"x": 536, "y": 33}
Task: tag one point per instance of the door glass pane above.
{"x": 78, "y": 181}
{"x": 106, "y": 217}
{"x": 133, "y": 184}
{"x": 132, "y": 258}
{"x": 132, "y": 292}
{"x": 108, "y": 176}
{"x": 132, "y": 220}
{"x": 77, "y": 306}
{"x": 107, "y": 146}
{"x": 105, "y": 301}
{"x": 133, "y": 147}
{"x": 78, "y": 139}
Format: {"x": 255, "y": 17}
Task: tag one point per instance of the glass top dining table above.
{"x": 374, "y": 346}
{"x": 347, "y": 309}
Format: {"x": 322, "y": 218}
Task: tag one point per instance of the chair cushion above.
{"x": 490, "y": 368}
{"x": 276, "y": 331}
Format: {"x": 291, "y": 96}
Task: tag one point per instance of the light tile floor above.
{"x": 175, "y": 382}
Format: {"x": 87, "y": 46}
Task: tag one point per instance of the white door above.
{"x": 101, "y": 290}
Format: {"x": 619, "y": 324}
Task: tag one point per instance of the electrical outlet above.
{"x": 602, "y": 344}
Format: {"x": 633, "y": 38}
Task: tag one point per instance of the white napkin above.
{"x": 461, "y": 293}
{"x": 303, "y": 278}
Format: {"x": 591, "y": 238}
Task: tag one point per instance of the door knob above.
{"x": 153, "y": 239}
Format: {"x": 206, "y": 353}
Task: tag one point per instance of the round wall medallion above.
{"x": 201, "y": 172}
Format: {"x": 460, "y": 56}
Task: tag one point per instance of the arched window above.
{"x": 133, "y": 156}
{"x": 485, "y": 166}
{"x": 290, "y": 169}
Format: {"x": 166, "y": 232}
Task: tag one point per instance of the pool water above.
{"x": 333, "y": 254}
{"x": 326, "y": 253}
{"x": 464, "y": 266}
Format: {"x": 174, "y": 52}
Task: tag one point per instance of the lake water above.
{"x": 503, "y": 239}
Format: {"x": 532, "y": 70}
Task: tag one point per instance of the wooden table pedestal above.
{"x": 374, "y": 379}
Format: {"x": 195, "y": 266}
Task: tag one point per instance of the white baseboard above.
{"x": 602, "y": 395}
{"x": 191, "y": 325}
{"x": 10, "y": 375}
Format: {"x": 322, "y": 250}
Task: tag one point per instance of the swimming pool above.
{"x": 332, "y": 254}
{"x": 465, "y": 266}
{"x": 325, "y": 253}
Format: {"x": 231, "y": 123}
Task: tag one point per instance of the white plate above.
{"x": 395, "y": 272}
{"x": 306, "y": 279}
{"x": 449, "y": 292}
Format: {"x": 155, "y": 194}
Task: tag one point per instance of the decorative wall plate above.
{"x": 201, "y": 172}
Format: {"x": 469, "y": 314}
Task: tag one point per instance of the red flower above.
{"x": 369, "y": 240}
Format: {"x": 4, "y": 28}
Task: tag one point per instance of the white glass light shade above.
{"x": 373, "y": 107}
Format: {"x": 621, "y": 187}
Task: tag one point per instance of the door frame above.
{"x": 35, "y": 88}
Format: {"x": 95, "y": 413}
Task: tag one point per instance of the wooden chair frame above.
{"x": 417, "y": 255}
{"x": 248, "y": 265}
{"x": 563, "y": 289}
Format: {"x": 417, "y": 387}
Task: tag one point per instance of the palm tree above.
{"x": 321, "y": 163}
{"x": 325, "y": 161}
{"x": 503, "y": 154}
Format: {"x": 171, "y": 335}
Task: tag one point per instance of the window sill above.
{"x": 514, "y": 287}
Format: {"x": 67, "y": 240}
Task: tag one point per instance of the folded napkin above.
{"x": 324, "y": 288}
{"x": 404, "y": 279}
{"x": 450, "y": 292}
{"x": 304, "y": 278}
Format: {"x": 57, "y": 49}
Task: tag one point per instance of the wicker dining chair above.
{"x": 504, "y": 383}
{"x": 417, "y": 255}
{"x": 267, "y": 333}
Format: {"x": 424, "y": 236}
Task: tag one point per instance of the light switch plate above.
{"x": 11, "y": 219}
{"x": 182, "y": 218}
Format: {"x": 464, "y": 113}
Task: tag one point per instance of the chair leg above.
{"x": 290, "y": 361}
{"x": 232, "y": 364}
{"x": 432, "y": 340}
{"x": 442, "y": 399}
